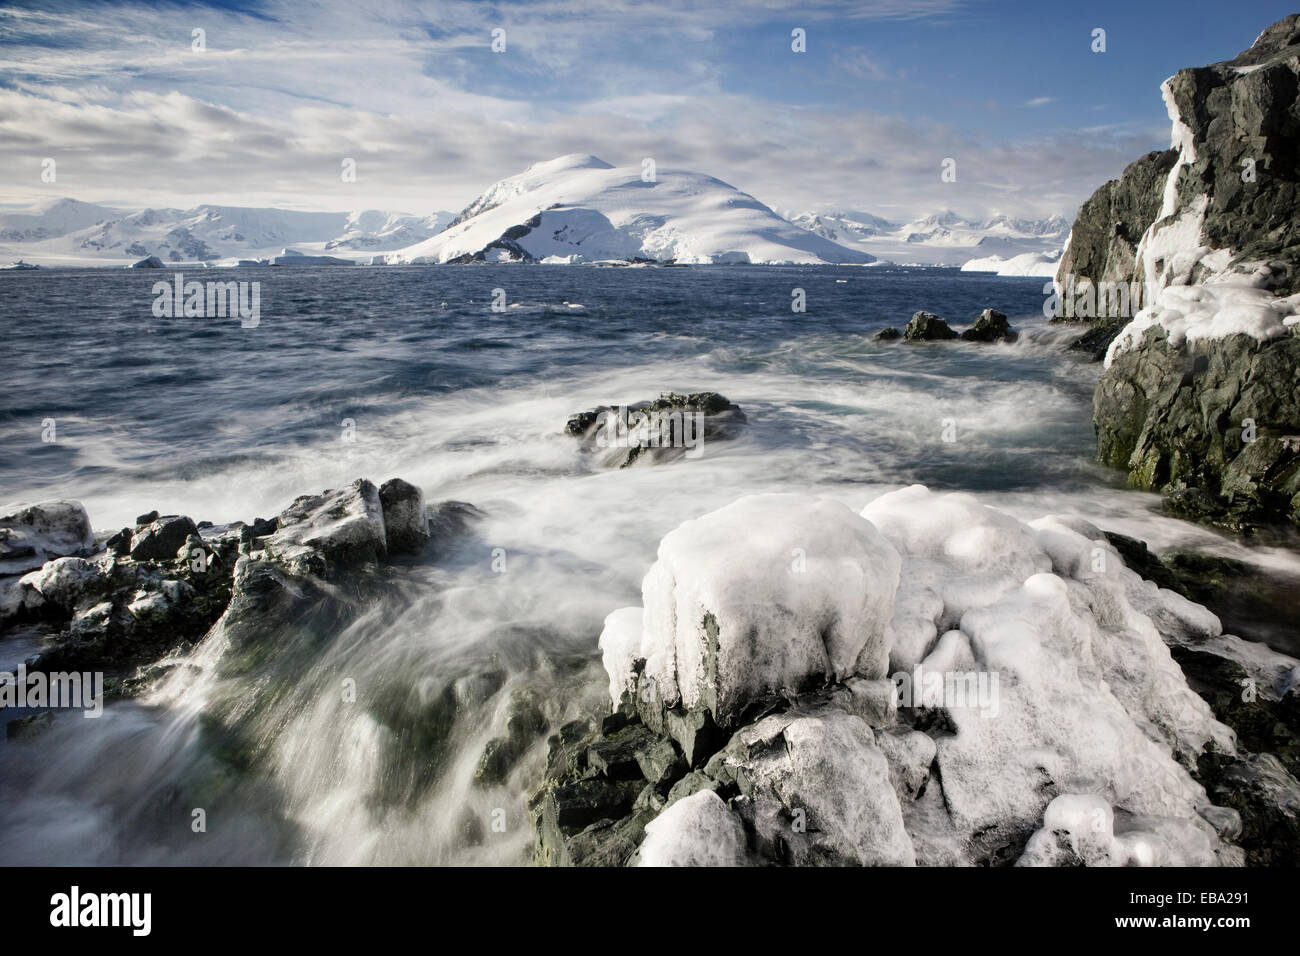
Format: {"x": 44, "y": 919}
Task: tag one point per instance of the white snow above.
{"x": 939, "y": 239}
{"x": 1221, "y": 302}
{"x": 1222, "y": 305}
{"x": 1027, "y": 264}
{"x": 70, "y": 233}
{"x": 590, "y": 211}
{"x": 697, "y": 830}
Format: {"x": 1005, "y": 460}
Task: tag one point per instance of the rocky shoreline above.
{"x": 127, "y": 602}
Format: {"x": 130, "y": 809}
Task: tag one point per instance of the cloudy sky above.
{"x": 283, "y": 92}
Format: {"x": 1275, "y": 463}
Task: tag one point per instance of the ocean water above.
{"x": 409, "y": 372}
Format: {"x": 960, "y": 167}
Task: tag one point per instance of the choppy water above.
{"x": 206, "y": 418}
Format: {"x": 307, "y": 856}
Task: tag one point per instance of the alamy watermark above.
{"x": 952, "y": 690}
{"x": 211, "y": 300}
{"x": 622, "y": 427}
{"x": 72, "y": 691}
{"x": 1081, "y": 298}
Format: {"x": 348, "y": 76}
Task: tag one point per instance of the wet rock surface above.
{"x": 159, "y": 587}
{"x": 664, "y": 429}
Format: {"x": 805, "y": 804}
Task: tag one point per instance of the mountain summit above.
{"x": 579, "y": 208}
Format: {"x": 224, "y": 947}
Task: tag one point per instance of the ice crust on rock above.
{"x": 697, "y": 830}
{"x": 758, "y": 599}
{"x": 1087, "y": 699}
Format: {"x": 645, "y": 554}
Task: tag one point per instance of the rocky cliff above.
{"x": 1199, "y": 397}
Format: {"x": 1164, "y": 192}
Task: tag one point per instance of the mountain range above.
{"x": 572, "y": 209}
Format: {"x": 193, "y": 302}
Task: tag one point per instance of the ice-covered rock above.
{"x": 698, "y": 830}
{"x": 1035, "y": 684}
{"x": 1080, "y": 830}
{"x": 1198, "y": 399}
{"x": 733, "y": 618}
{"x": 816, "y": 789}
{"x": 30, "y": 535}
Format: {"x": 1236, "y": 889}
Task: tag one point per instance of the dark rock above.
{"x": 1109, "y": 226}
{"x": 991, "y": 326}
{"x": 656, "y": 431}
{"x": 1177, "y": 421}
{"x": 1266, "y": 797}
{"x": 31, "y": 725}
{"x": 1174, "y": 417}
{"x": 405, "y": 523}
{"x": 146, "y": 518}
{"x": 120, "y": 543}
{"x": 580, "y": 804}
{"x": 162, "y": 538}
{"x": 263, "y": 527}
{"x": 1096, "y": 341}
{"x": 928, "y": 327}
{"x": 888, "y": 334}
{"x": 616, "y": 756}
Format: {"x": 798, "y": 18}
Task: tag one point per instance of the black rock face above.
{"x": 1104, "y": 240}
{"x": 1216, "y": 429}
{"x": 1214, "y": 426}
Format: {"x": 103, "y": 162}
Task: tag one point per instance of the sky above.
{"x": 282, "y": 93}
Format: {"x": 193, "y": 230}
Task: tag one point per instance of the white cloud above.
{"x": 413, "y": 93}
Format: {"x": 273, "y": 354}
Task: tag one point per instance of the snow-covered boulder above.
{"x": 1080, "y": 830}
{"x": 817, "y": 790}
{"x": 30, "y": 535}
{"x": 763, "y": 598}
{"x": 697, "y": 830}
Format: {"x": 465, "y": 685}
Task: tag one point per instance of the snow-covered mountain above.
{"x": 942, "y": 238}
{"x": 69, "y": 232}
{"x": 579, "y": 208}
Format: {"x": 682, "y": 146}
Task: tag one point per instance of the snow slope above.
{"x": 69, "y": 232}
{"x": 1025, "y": 264}
{"x": 940, "y": 239}
{"x": 578, "y": 208}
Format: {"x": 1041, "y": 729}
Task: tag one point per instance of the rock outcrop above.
{"x": 163, "y": 584}
{"x": 667, "y": 428}
{"x": 927, "y": 327}
{"x": 1198, "y": 398}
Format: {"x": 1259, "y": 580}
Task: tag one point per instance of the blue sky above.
{"x": 414, "y": 93}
